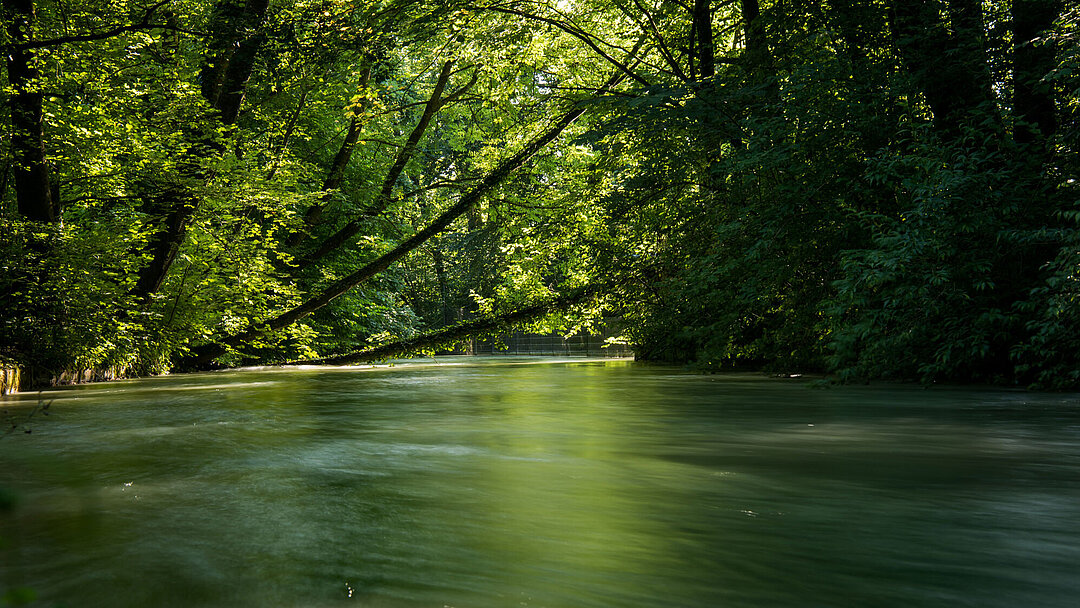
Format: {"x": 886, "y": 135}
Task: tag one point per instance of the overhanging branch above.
{"x": 456, "y": 332}
{"x": 143, "y": 25}
{"x": 201, "y": 356}
{"x": 577, "y": 33}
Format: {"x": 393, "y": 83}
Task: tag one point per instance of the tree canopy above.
{"x": 875, "y": 189}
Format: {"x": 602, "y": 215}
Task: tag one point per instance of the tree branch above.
{"x": 577, "y": 33}
{"x": 662, "y": 44}
{"x": 142, "y": 25}
{"x": 383, "y": 199}
{"x": 454, "y": 333}
{"x": 201, "y": 356}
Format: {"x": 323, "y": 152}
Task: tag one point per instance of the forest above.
{"x": 873, "y": 190}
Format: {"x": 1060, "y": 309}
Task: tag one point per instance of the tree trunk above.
{"x": 757, "y": 44}
{"x": 33, "y": 190}
{"x": 757, "y": 63}
{"x": 230, "y": 59}
{"x": 384, "y": 198}
{"x": 336, "y": 173}
{"x": 290, "y": 127}
{"x": 703, "y": 36}
{"x": 454, "y": 333}
{"x": 236, "y": 77}
{"x": 1033, "y": 99}
{"x": 858, "y": 24}
{"x": 333, "y": 180}
{"x": 950, "y": 70}
{"x": 341, "y": 160}
{"x": 230, "y": 22}
{"x": 854, "y": 19}
{"x": 173, "y": 208}
{"x": 969, "y": 41}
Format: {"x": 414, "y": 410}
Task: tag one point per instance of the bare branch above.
{"x": 456, "y": 332}
{"x": 676, "y": 68}
{"x": 577, "y": 33}
{"x": 143, "y": 25}
{"x": 383, "y": 199}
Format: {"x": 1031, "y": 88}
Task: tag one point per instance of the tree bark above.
{"x": 702, "y": 24}
{"x": 33, "y": 190}
{"x": 950, "y": 70}
{"x": 230, "y": 59}
{"x": 1033, "y": 99}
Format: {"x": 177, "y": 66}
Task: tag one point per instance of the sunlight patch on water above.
{"x": 200, "y": 387}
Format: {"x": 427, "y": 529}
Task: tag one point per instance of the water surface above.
{"x": 527, "y": 482}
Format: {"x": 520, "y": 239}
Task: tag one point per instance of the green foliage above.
{"x": 799, "y": 206}
{"x": 927, "y": 298}
{"x": 815, "y": 215}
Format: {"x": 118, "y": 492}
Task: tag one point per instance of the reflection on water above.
{"x": 556, "y": 484}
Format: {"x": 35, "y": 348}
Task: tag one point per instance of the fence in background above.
{"x": 554, "y": 345}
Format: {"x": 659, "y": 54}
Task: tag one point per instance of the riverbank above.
{"x": 92, "y": 377}
{"x": 10, "y": 377}
{"x": 15, "y": 378}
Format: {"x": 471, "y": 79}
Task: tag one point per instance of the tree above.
{"x": 33, "y": 190}
{"x": 875, "y": 189}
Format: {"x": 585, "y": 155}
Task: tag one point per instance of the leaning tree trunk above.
{"x": 384, "y": 198}
{"x": 335, "y": 175}
{"x": 202, "y": 356}
{"x": 447, "y": 336}
{"x": 230, "y": 59}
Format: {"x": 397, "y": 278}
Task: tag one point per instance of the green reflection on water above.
{"x": 523, "y": 482}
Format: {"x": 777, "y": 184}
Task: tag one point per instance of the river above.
{"x": 518, "y": 482}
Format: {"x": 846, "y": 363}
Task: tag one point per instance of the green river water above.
{"x": 512, "y": 483}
